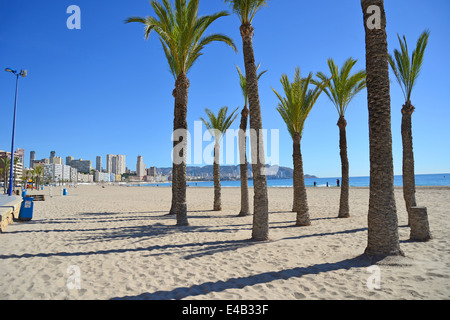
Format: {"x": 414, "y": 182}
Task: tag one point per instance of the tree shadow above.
{"x": 241, "y": 282}
{"x": 326, "y": 233}
{"x": 203, "y": 248}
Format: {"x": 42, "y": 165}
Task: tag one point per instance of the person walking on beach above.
{"x": 315, "y": 183}
{"x": 337, "y": 182}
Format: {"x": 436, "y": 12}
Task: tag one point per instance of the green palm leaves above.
{"x": 344, "y": 87}
{"x": 246, "y": 9}
{"x": 407, "y": 69}
{"x": 181, "y": 32}
{"x": 218, "y": 125}
{"x": 243, "y": 81}
{"x": 295, "y": 107}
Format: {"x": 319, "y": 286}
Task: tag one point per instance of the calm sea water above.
{"x": 421, "y": 180}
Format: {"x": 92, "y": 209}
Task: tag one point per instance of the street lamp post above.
{"x": 22, "y": 73}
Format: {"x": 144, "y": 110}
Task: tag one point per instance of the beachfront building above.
{"x": 115, "y": 163}
{"x": 102, "y": 176}
{"x": 34, "y": 162}
{"x": 18, "y": 167}
{"x": 59, "y": 173}
{"x": 85, "y": 178}
{"x": 109, "y": 158}
{"x": 32, "y": 158}
{"x": 81, "y": 165}
{"x": 140, "y": 168}
{"x": 121, "y": 165}
{"x": 98, "y": 163}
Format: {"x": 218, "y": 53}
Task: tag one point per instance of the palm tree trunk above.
{"x": 409, "y": 183}
{"x": 174, "y": 175}
{"x": 245, "y": 208}
{"x": 216, "y": 177}
{"x": 382, "y": 218}
{"x": 344, "y": 211}
{"x": 260, "y": 230}
{"x": 300, "y": 198}
{"x": 181, "y": 102}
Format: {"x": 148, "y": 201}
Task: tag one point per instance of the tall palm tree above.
{"x": 382, "y": 217}
{"x": 5, "y": 163}
{"x": 246, "y": 10}
{"x": 181, "y": 33}
{"x": 407, "y": 70}
{"x": 217, "y": 126}
{"x": 341, "y": 91}
{"x": 294, "y": 108}
{"x": 245, "y": 208}
{"x": 39, "y": 171}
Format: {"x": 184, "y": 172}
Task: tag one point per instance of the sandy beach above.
{"x": 117, "y": 243}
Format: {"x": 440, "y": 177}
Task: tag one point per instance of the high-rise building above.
{"x": 115, "y": 163}
{"x": 98, "y": 163}
{"x": 121, "y": 166}
{"x": 18, "y": 166}
{"x": 109, "y": 158}
{"x": 83, "y": 166}
{"x": 140, "y": 167}
{"x": 68, "y": 160}
{"x": 32, "y": 158}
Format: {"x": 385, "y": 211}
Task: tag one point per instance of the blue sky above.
{"x": 103, "y": 89}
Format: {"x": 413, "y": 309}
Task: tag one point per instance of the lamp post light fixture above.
{"x": 22, "y": 73}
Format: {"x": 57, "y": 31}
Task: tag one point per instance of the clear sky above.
{"x": 103, "y": 89}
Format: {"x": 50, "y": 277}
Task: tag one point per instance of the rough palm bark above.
{"x": 409, "y": 183}
{"x": 260, "y": 230}
{"x": 382, "y": 217}
{"x": 245, "y": 207}
{"x": 344, "y": 210}
{"x": 300, "y": 197}
{"x": 181, "y": 102}
{"x": 216, "y": 177}
{"x": 174, "y": 175}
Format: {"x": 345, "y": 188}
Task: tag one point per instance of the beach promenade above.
{"x": 117, "y": 243}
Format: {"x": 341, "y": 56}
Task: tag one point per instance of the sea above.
{"x": 442, "y": 179}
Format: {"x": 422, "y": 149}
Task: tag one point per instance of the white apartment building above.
{"x": 59, "y": 173}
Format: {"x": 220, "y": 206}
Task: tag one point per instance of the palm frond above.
{"x": 218, "y": 125}
{"x": 405, "y": 68}
{"x": 344, "y": 85}
{"x": 246, "y": 9}
{"x": 298, "y": 100}
{"x": 181, "y": 31}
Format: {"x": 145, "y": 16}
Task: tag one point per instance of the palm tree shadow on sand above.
{"x": 241, "y": 282}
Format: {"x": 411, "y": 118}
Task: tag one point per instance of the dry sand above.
{"x": 120, "y": 245}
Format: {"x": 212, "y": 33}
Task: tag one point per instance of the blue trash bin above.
{"x": 65, "y": 192}
{"x": 26, "y": 209}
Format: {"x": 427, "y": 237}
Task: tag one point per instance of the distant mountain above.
{"x": 233, "y": 172}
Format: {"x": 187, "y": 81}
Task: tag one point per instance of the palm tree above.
{"x": 5, "y": 163}
{"x": 39, "y": 171}
{"x": 341, "y": 91}
{"x": 382, "y": 217}
{"x": 407, "y": 71}
{"x": 245, "y": 210}
{"x": 217, "y": 126}
{"x": 181, "y": 33}
{"x": 246, "y": 10}
{"x": 294, "y": 108}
